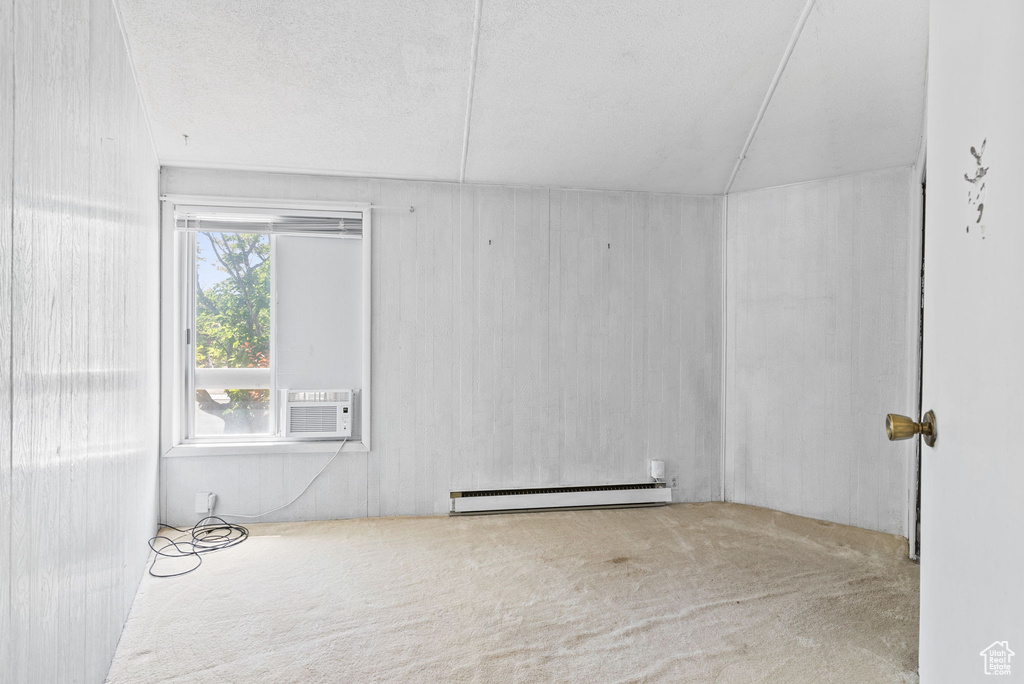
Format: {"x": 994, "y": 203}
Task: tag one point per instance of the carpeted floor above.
{"x": 686, "y": 593}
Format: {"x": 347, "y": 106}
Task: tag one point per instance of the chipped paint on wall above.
{"x": 976, "y": 191}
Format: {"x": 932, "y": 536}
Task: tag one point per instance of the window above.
{"x": 232, "y": 372}
{"x": 273, "y": 312}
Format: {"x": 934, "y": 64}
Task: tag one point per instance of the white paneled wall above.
{"x": 78, "y": 339}
{"x": 6, "y": 228}
{"x": 520, "y": 336}
{"x": 820, "y": 346}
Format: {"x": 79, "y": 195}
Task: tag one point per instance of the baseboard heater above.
{"x": 548, "y": 498}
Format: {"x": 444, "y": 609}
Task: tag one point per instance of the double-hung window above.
{"x": 272, "y": 313}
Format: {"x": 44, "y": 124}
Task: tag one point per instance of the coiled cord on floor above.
{"x": 206, "y": 536}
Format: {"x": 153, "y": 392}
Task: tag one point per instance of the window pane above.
{"x": 318, "y": 314}
{"x": 232, "y": 412}
{"x": 232, "y": 331}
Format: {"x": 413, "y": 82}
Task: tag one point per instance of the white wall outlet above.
{"x": 204, "y": 502}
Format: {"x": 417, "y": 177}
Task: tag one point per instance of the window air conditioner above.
{"x": 317, "y": 413}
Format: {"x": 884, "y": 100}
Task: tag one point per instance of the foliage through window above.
{"x": 232, "y": 333}
{"x": 273, "y": 302}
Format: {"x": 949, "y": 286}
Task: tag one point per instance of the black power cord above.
{"x": 206, "y": 536}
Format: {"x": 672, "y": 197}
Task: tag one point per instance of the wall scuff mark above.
{"x": 976, "y": 193}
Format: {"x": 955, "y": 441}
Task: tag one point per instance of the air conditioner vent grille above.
{"x": 319, "y": 397}
{"x": 307, "y": 419}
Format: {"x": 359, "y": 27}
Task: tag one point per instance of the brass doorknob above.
{"x": 902, "y": 427}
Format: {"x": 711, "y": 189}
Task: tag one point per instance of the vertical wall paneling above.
{"x": 521, "y": 336}
{"x": 818, "y": 348}
{"x": 373, "y": 457}
{"x": 70, "y": 263}
{"x": 724, "y": 357}
{"x": 6, "y": 263}
{"x": 79, "y": 342}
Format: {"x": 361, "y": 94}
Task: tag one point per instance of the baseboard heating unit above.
{"x": 548, "y": 498}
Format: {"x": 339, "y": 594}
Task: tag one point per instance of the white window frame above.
{"x": 177, "y": 315}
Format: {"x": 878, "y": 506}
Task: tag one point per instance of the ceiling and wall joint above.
{"x": 472, "y": 84}
{"x": 771, "y": 91}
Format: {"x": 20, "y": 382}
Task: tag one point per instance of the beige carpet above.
{"x": 685, "y": 593}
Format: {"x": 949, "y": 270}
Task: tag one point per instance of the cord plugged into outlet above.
{"x": 658, "y": 470}
{"x": 658, "y": 474}
{"x": 205, "y": 502}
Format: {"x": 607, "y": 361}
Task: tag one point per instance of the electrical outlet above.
{"x": 675, "y": 483}
{"x": 204, "y": 502}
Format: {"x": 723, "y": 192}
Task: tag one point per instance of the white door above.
{"x": 972, "y": 487}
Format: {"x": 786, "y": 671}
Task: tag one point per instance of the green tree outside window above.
{"x": 233, "y": 322}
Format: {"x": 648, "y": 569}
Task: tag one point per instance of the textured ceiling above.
{"x": 374, "y": 88}
{"x": 851, "y": 98}
{"x": 653, "y": 95}
{"x": 611, "y": 94}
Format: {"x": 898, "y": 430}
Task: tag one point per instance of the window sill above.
{"x": 262, "y": 448}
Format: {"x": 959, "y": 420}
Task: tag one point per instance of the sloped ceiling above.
{"x": 611, "y": 94}
{"x": 656, "y": 95}
{"x": 851, "y": 98}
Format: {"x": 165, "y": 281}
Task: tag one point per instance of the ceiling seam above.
{"x": 472, "y": 85}
{"x": 146, "y": 110}
{"x": 809, "y": 181}
{"x": 246, "y": 168}
{"x": 771, "y": 91}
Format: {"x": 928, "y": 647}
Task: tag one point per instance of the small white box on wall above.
{"x": 658, "y": 469}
